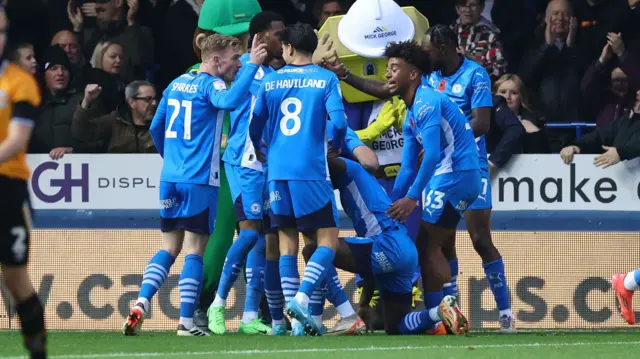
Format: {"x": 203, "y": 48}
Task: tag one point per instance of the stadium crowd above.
{"x": 102, "y": 64}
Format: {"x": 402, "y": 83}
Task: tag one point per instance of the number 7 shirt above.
{"x": 294, "y": 103}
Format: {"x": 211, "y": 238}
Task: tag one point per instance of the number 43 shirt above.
{"x": 294, "y": 103}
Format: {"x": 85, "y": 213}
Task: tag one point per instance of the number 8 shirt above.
{"x": 295, "y": 103}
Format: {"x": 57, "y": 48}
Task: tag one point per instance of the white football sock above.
{"x": 630, "y": 282}
{"x": 248, "y": 317}
{"x": 219, "y": 302}
{"x": 345, "y": 309}
{"x": 186, "y": 322}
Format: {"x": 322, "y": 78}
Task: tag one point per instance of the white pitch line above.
{"x": 329, "y": 350}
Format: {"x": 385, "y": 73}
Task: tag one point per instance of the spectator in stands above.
{"x": 108, "y": 70}
{"x": 116, "y": 22}
{"x": 596, "y": 19}
{"x": 510, "y": 87}
{"x": 68, "y": 41}
{"x": 606, "y": 94}
{"x": 616, "y": 141}
{"x": 479, "y": 38}
{"x": 325, "y": 9}
{"x": 177, "y": 23}
{"x": 24, "y": 56}
{"x": 52, "y": 131}
{"x": 125, "y": 130}
{"x": 505, "y": 136}
{"x": 550, "y": 71}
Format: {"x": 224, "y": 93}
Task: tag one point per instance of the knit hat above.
{"x": 228, "y": 17}
{"x": 55, "y": 55}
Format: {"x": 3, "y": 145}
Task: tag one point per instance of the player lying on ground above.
{"x": 296, "y": 101}
{"x": 246, "y": 179}
{"x": 187, "y": 133}
{"x": 17, "y": 115}
{"x": 448, "y": 178}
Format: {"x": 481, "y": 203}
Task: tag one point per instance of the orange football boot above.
{"x": 624, "y": 297}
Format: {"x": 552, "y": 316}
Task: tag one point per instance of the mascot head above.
{"x": 360, "y": 37}
{"x": 226, "y": 17}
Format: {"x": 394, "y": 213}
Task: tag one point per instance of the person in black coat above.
{"x": 614, "y": 142}
{"x": 505, "y": 136}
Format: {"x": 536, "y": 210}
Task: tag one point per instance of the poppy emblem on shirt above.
{"x": 442, "y": 86}
{"x": 411, "y": 122}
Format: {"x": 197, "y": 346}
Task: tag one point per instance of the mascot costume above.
{"x": 231, "y": 18}
{"x": 358, "y": 40}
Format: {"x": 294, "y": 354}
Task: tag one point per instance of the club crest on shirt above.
{"x": 457, "y": 89}
{"x": 260, "y": 74}
{"x": 255, "y": 208}
{"x": 219, "y": 85}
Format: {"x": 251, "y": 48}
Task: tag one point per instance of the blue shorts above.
{"x": 448, "y": 195}
{"x": 247, "y": 191}
{"x": 305, "y": 205}
{"x": 391, "y": 257}
{"x": 484, "y": 198}
{"x": 189, "y": 207}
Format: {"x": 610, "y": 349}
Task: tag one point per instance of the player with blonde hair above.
{"x": 187, "y": 131}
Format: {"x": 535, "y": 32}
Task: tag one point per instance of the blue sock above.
{"x": 334, "y": 291}
{"x": 416, "y": 323}
{"x": 316, "y": 303}
{"x": 315, "y": 271}
{"x": 432, "y": 299}
{"x": 255, "y": 278}
{"x": 498, "y": 283}
{"x": 289, "y": 277}
{"x": 451, "y": 288}
{"x": 190, "y": 284}
{"x": 154, "y": 275}
{"x": 234, "y": 260}
{"x": 273, "y": 289}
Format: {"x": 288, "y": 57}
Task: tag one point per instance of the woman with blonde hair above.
{"x": 511, "y": 87}
{"x": 108, "y": 72}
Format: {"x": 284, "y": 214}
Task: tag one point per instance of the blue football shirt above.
{"x": 363, "y": 200}
{"x": 295, "y": 102}
{"x": 469, "y": 88}
{"x": 437, "y": 125}
{"x": 239, "y": 149}
{"x": 187, "y": 126}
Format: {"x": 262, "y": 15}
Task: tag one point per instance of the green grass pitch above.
{"x": 546, "y": 345}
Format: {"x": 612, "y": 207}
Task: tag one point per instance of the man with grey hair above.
{"x": 552, "y": 73}
{"x": 125, "y": 130}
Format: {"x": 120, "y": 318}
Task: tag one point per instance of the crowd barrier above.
{"x": 562, "y": 230}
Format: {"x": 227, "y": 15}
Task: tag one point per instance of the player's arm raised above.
{"x": 372, "y": 87}
{"x": 230, "y": 99}
{"x": 481, "y": 102}
{"x": 157, "y": 127}
{"x": 25, "y": 103}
